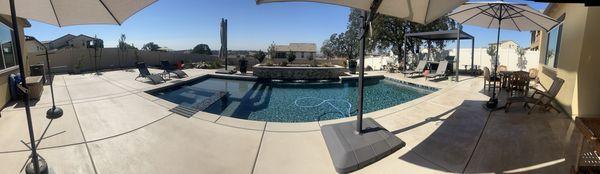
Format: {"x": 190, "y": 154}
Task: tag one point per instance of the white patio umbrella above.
{"x": 501, "y": 15}
{"x": 353, "y": 150}
{"x": 62, "y": 13}
{"x": 420, "y": 11}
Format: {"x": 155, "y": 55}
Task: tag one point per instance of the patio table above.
{"x": 590, "y": 130}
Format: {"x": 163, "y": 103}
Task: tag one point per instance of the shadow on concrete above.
{"x": 473, "y": 140}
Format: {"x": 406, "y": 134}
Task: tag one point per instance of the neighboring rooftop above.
{"x": 297, "y": 47}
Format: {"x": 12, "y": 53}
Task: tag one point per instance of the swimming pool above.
{"x": 290, "y": 102}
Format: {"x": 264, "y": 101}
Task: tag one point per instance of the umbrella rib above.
{"x": 471, "y": 8}
{"x": 532, "y": 21}
{"x": 110, "y": 12}
{"x": 493, "y": 17}
{"x": 514, "y": 6}
{"x": 480, "y": 12}
{"x": 513, "y": 19}
{"x": 485, "y": 12}
{"x": 55, "y": 15}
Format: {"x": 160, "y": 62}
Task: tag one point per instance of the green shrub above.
{"x": 313, "y": 63}
{"x": 269, "y": 62}
{"x": 284, "y": 63}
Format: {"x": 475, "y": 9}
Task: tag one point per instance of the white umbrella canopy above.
{"x": 76, "y": 12}
{"x": 514, "y": 16}
{"x": 420, "y": 11}
{"x": 501, "y": 15}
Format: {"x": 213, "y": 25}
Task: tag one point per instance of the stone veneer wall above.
{"x": 297, "y": 73}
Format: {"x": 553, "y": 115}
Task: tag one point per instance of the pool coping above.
{"x": 311, "y": 126}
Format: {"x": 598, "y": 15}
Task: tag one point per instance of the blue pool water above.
{"x": 277, "y": 102}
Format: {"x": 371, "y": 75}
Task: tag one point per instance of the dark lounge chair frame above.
{"x": 145, "y": 73}
{"x": 168, "y": 69}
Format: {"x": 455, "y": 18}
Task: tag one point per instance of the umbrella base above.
{"x": 54, "y": 113}
{"x": 351, "y": 151}
{"x": 43, "y": 166}
{"x": 492, "y": 105}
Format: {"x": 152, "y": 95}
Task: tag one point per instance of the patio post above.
{"x": 54, "y": 112}
{"x": 428, "y": 50}
{"x": 456, "y": 64}
{"x": 405, "y": 55}
{"x": 19, "y": 54}
{"x": 472, "y": 55}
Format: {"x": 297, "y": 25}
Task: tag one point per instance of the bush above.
{"x": 313, "y": 63}
{"x": 291, "y": 56}
{"x": 269, "y": 62}
{"x": 284, "y": 63}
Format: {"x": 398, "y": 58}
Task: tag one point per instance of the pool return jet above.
{"x": 354, "y": 145}
{"x": 60, "y": 13}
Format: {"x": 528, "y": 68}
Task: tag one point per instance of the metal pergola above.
{"x": 457, "y": 35}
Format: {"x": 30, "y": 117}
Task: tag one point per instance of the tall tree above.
{"x": 202, "y": 49}
{"x": 271, "y": 50}
{"x": 491, "y": 51}
{"x": 521, "y": 61}
{"x": 387, "y": 33}
{"x": 151, "y": 46}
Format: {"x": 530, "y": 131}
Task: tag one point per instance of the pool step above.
{"x": 188, "y": 111}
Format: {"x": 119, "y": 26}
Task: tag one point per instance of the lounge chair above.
{"x": 155, "y": 78}
{"x": 231, "y": 71}
{"x": 171, "y": 69}
{"x": 418, "y": 70}
{"x": 488, "y": 79}
{"x": 539, "y": 98}
{"x": 440, "y": 71}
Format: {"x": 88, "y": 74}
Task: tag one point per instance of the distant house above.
{"x": 33, "y": 45}
{"x": 301, "y": 50}
{"x": 69, "y": 40}
{"x": 506, "y": 44}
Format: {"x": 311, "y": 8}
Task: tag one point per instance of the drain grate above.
{"x": 189, "y": 111}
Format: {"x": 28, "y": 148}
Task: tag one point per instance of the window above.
{"x": 553, "y": 46}
{"x": 7, "y": 57}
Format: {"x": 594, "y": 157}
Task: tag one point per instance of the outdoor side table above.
{"x": 36, "y": 86}
{"x": 590, "y": 130}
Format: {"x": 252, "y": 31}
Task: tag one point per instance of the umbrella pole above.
{"x": 493, "y": 102}
{"x": 54, "y": 112}
{"x": 15, "y": 26}
{"x": 361, "y": 73}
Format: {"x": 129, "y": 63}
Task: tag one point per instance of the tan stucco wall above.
{"x": 588, "y": 81}
{"x": 577, "y": 59}
{"x": 4, "y": 93}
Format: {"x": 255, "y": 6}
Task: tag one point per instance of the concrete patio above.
{"x": 111, "y": 125}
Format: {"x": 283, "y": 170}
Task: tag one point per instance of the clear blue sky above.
{"x": 181, "y": 24}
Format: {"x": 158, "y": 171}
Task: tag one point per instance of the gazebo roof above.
{"x": 440, "y": 35}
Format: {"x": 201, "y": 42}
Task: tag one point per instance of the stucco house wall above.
{"x": 5, "y": 73}
{"x": 577, "y": 59}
